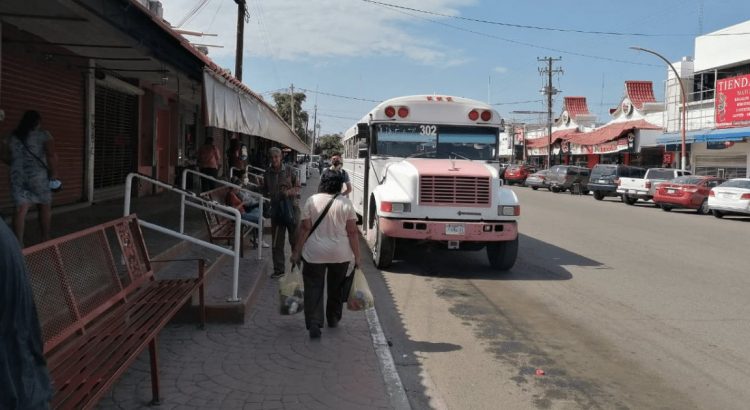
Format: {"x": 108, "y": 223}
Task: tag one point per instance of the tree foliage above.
{"x": 283, "y": 107}
{"x": 329, "y": 144}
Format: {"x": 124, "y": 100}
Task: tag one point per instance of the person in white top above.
{"x": 330, "y": 247}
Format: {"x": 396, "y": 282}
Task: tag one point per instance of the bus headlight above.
{"x": 508, "y": 210}
{"x": 395, "y": 207}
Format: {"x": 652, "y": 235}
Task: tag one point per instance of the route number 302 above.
{"x": 430, "y": 130}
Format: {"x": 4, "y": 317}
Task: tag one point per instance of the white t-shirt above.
{"x": 330, "y": 242}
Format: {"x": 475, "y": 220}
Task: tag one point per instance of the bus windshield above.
{"x": 436, "y": 141}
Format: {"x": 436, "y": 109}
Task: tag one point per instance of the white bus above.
{"x": 422, "y": 170}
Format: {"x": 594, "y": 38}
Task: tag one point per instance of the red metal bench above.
{"x": 100, "y": 306}
{"x": 219, "y": 227}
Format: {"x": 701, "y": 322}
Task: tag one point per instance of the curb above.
{"x": 393, "y": 385}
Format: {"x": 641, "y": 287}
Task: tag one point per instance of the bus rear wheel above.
{"x": 502, "y": 255}
{"x": 384, "y": 247}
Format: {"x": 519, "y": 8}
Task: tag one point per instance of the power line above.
{"x": 339, "y": 96}
{"x": 517, "y": 102}
{"x": 337, "y": 116}
{"x": 523, "y": 26}
{"x": 557, "y": 50}
{"x": 192, "y": 12}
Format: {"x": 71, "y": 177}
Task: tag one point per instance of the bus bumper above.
{"x": 487, "y": 231}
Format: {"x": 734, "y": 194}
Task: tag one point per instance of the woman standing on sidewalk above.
{"x": 33, "y": 166}
{"x": 329, "y": 248}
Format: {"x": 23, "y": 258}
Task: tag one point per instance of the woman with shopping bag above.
{"x": 327, "y": 242}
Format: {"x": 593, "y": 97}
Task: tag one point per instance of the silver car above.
{"x": 537, "y": 180}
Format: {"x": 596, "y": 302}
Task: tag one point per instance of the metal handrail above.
{"x": 200, "y": 203}
{"x": 261, "y": 201}
{"x": 231, "y": 174}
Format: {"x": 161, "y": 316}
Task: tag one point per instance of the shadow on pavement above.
{"x": 537, "y": 260}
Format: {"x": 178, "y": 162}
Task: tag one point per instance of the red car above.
{"x": 690, "y": 192}
{"x": 517, "y": 174}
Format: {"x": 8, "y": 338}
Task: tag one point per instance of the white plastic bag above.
{"x": 291, "y": 292}
{"x": 360, "y": 296}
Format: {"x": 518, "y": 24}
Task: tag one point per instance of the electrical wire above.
{"x": 192, "y": 12}
{"x": 523, "y": 26}
{"x": 338, "y": 117}
{"x": 339, "y": 96}
{"x": 213, "y": 20}
{"x": 517, "y": 102}
{"x": 557, "y": 50}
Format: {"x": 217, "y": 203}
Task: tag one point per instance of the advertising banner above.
{"x": 609, "y": 147}
{"x": 732, "y": 107}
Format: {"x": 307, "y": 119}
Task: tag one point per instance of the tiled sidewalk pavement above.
{"x": 267, "y": 363}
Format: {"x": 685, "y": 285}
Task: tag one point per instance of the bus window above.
{"x": 470, "y": 143}
{"x": 404, "y": 140}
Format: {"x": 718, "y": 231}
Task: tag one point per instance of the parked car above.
{"x": 538, "y": 180}
{"x": 731, "y": 197}
{"x": 631, "y": 189}
{"x": 690, "y": 192}
{"x": 603, "y": 176}
{"x": 517, "y": 174}
{"x": 562, "y": 178}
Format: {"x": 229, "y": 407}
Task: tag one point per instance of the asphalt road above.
{"x": 620, "y": 306}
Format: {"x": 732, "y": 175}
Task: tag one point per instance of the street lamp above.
{"x": 683, "y": 159}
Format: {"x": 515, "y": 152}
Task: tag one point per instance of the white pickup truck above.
{"x": 633, "y": 189}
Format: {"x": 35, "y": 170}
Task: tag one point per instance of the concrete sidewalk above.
{"x": 267, "y": 363}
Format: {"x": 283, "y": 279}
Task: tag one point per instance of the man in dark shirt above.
{"x": 24, "y": 380}
{"x": 281, "y": 185}
{"x": 337, "y": 166}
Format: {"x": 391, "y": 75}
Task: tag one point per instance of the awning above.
{"x": 610, "y": 132}
{"x": 544, "y": 141}
{"x": 714, "y": 135}
{"x": 233, "y": 107}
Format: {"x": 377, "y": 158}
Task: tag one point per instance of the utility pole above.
{"x": 291, "y": 105}
{"x": 550, "y": 91}
{"x": 315, "y": 128}
{"x": 241, "y": 15}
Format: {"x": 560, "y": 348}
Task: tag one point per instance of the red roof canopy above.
{"x": 576, "y": 106}
{"x": 640, "y": 92}
{"x": 610, "y": 132}
{"x": 544, "y": 141}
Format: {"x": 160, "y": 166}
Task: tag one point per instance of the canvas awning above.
{"x": 712, "y": 135}
{"x": 233, "y": 107}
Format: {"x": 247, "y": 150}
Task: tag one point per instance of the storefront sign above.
{"x": 603, "y": 148}
{"x": 537, "y": 151}
{"x": 668, "y": 158}
{"x": 719, "y": 144}
{"x": 519, "y": 135}
{"x": 733, "y": 102}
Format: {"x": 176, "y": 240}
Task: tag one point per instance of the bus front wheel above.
{"x": 502, "y": 255}
{"x": 384, "y": 247}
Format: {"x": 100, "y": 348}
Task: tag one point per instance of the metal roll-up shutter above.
{"x": 57, "y": 91}
{"x": 723, "y": 166}
{"x": 116, "y": 137}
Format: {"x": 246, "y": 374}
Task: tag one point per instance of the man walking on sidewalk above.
{"x": 280, "y": 184}
{"x": 337, "y": 167}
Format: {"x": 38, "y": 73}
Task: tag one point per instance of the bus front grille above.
{"x": 439, "y": 190}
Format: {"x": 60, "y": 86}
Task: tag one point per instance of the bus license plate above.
{"x": 455, "y": 229}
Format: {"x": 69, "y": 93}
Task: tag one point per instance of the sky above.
{"x": 369, "y": 51}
